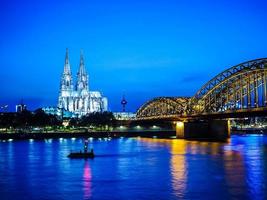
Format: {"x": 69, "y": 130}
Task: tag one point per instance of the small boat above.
{"x": 82, "y": 155}
{"x": 85, "y": 154}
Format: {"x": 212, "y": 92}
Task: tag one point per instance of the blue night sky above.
{"x": 143, "y": 48}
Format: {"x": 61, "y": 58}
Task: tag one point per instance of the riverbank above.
{"x": 96, "y": 134}
{"x": 114, "y": 134}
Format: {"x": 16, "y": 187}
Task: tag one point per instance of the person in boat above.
{"x": 85, "y": 146}
{"x": 84, "y": 154}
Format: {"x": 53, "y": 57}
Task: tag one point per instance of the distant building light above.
{"x": 66, "y": 123}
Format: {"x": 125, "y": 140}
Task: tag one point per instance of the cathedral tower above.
{"x": 78, "y": 101}
{"x": 66, "y": 86}
{"x": 82, "y": 77}
{"x": 82, "y": 89}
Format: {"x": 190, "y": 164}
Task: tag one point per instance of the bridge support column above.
{"x": 248, "y": 93}
{"x": 179, "y": 129}
{"x": 203, "y": 130}
{"x": 255, "y": 84}
{"x": 240, "y": 92}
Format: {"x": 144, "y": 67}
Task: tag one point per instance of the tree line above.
{"x": 95, "y": 119}
{"x": 39, "y": 118}
{"x": 26, "y": 119}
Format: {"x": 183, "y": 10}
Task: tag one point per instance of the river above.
{"x": 135, "y": 168}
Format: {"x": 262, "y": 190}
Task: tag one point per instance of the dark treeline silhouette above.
{"x": 39, "y": 118}
{"x": 95, "y": 119}
{"x": 26, "y": 119}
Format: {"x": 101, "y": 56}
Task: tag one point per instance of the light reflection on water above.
{"x": 135, "y": 169}
{"x": 179, "y": 168}
{"x": 87, "y": 180}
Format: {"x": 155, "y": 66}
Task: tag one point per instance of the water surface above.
{"x": 135, "y": 168}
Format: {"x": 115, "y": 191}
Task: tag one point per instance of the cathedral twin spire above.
{"x": 81, "y": 68}
{"x": 77, "y": 98}
{"x": 82, "y": 77}
{"x": 67, "y": 63}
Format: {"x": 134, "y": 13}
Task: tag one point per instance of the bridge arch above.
{"x": 240, "y": 87}
{"x": 163, "y": 107}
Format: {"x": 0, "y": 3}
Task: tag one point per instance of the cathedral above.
{"x": 77, "y": 98}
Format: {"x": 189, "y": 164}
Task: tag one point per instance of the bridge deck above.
{"x": 241, "y": 113}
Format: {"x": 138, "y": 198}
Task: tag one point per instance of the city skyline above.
{"x": 143, "y": 49}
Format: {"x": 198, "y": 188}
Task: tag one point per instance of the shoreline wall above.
{"x": 99, "y": 134}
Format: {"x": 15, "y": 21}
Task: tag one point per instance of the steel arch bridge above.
{"x": 163, "y": 107}
{"x": 239, "y": 88}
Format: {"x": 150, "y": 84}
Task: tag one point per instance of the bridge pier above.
{"x": 210, "y": 130}
{"x": 179, "y": 128}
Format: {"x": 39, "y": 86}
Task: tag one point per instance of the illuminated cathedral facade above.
{"x": 77, "y": 98}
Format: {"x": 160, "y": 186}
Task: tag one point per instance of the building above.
{"x": 21, "y": 107}
{"x": 124, "y": 115}
{"x": 77, "y": 98}
{"x": 59, "y": 112}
